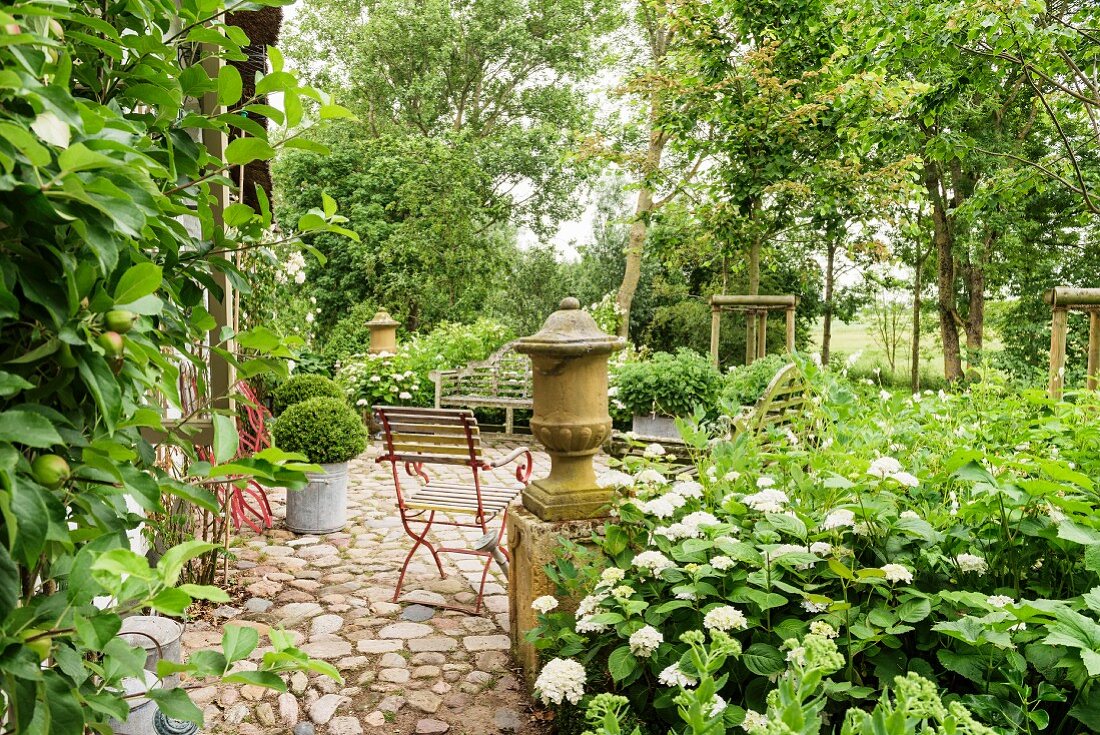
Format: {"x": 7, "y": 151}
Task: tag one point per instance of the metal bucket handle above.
{"x": 160, "y": 649}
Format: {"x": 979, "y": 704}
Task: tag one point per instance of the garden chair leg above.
{"x": 419, "y": 540}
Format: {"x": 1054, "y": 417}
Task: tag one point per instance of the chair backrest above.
{"x": 430, "y": 435}
{"x": 504, "y": 374}
{"x": 783, "y": 401}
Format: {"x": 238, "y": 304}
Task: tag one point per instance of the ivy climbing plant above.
{"x": 112, "y": 251}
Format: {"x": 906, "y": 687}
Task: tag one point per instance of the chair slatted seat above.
{"x": 420, "y": 437}
{"x": 503, "y": 380}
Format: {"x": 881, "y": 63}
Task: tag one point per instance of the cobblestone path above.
{"x": 407, "y": 668}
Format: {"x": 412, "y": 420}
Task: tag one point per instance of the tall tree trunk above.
{"x": 830, "y": 280}
{"x": 635, "y": 249}
{"x": 944, "y": 241}
{"x": 974, "y": 275}
{"x": 914, "y": 348}
{"x": 659, "y": 37}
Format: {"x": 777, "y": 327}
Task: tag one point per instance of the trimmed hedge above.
{"x": 327, "y": 430}
{"x": 303, "y": 387}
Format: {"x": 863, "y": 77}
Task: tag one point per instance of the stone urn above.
{"x": 570, "y": 417}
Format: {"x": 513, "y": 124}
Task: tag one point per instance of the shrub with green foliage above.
{"x": 301, "y": 388}
{"x": 954, "y": 536}
{"x": 669, "y": 384}
{"x": 403, "y": 379}
{"x": 112, "y": 248}
{"x": 744, "y": 385}
{"x": 350, "y": 336}
{"x": 327, "y": 430}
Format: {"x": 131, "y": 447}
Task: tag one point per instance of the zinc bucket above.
{"x": 321, "y": 506}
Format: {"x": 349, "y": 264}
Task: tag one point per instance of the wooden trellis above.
{"x": 1062, "y": 300}
{"x": 754, "y": 307}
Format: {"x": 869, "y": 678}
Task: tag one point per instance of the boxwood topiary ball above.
{"x": 303, "y": 387}
{"x": 327, "y": 430}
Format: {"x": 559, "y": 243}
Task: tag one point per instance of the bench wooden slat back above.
{"x": 430, "y": 436}
{"x": 505, "y": 374}
{"x": 784, "y": 400}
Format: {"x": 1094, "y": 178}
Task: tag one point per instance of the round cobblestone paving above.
{"x": 403, "y": 672}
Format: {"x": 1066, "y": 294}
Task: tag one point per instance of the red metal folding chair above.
{"x": 419, "y": 437}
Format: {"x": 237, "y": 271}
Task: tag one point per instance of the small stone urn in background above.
{"x": 383, "y": 333}
{"x": 569, "y": 369}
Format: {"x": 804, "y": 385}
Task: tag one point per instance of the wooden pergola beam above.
{"x": 1061, "y": 296}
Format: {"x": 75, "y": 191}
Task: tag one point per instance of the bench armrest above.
{"x": 523, "y": 469}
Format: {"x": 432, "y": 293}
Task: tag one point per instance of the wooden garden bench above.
{"x": 501, "y": 381}
{"x": 784, "y": 401}
{"x": 422, "y": 437}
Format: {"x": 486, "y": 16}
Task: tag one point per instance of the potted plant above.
{"x": 665, "y": 386}
{"x": 329, "y": 433}
{"x": 301, "y": 387}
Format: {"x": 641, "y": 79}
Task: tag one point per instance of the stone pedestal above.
{"x": 569, "y": 387}
{"x": 533, "y": 542}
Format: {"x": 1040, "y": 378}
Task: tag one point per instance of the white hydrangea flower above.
{"x": 753, "y": 719}
{"x": 732, "y": 476}
{"x": 560, "y": 679}
{"x": 884, "y": 466}
{"x": 644, "y": 641}
{"x": 999, "y": 600}
{"x": 766, "y": 501}
{"x": 590, "y": 604}
{"x": 376, "y": 378}
{"x": 699, "y": 518}
{"x": 544, "y": 604}
{"x": 673, "y": 676}
{"x": 906, "y": 479}
{"x": 650, "y": 477}
{"x": 718, "y": 707}
{"x": 971, "y": 563}
{"x": 912, "y": 515}
{"x": 821, "y": 628}
{"x": 658, "y": 507}
{"x": 674, "y": 499}
{"x": 614, "y": 478}
{"x": 623, "y": 590}
{"x": 677, "y": 531}
{"x": 814, "y": 607}
{"x": 688, "y": 489}
{"x": 797, "y": 656}
{"x": 726, "y": 617}
{"x": 686, "y": 594}
{"x": 653, "y": 451}
{"x": 842, "y": 518}
{"x": 821, "y": 548}
{"x": 611, "y": 576}
{"x": 897, "y": 573}
{"x": 722, "y": 563}
{"x": 764, "y": 481}
{"x": 653, "y": 561}
{"x": 586, "y": 625}
{"x": 404, "y": 395}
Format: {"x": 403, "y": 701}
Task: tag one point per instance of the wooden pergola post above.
{"x": 1058, "y": 351}
{"x": 1094, "y": 349}
{"x": 715, "y": 331}
{"x": 221, "y": 372}
{"x": 761, "y": 334}
{"x": 750, "y": 338}
{"x": 790, "y": 329}
{"x": 1061, "y": 300}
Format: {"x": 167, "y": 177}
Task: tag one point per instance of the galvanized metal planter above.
{"x": 655, "y": 426}
{"x": 322, "y": 506}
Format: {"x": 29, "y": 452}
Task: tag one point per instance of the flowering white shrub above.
{"x": 560, "y": 680}
{"x": 644, "y": 641}
{"x": 895, "y": 565}
{"x": 544, "y": 604}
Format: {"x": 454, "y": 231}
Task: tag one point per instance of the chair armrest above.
{"x": 523, "y": 470}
